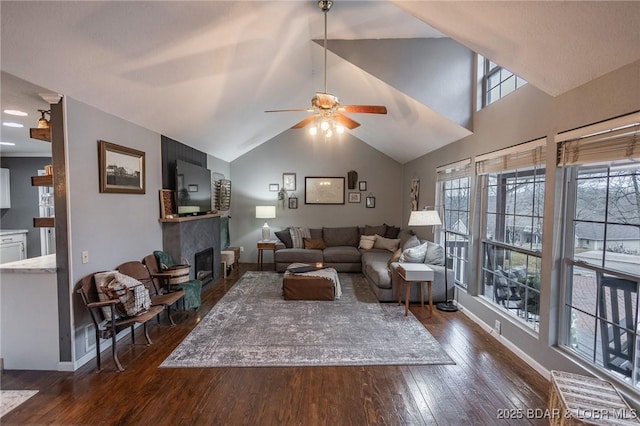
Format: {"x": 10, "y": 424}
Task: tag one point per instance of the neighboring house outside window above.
{"x": 512, "y": 183}
{"x": 453, "y": 194}
{"x": 495, "y": 82}
{"x": 601, "y": 255}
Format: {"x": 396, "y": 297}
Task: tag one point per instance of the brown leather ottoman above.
{"x": 302, "y": 287}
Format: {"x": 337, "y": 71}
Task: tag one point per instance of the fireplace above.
{"x": 204, "y": 265}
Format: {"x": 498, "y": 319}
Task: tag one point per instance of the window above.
{"x": 454, "y": 190}
{"x": 602, "y": 250}
{"x": 495, "y": 81}
{"x": 513, "y": 183}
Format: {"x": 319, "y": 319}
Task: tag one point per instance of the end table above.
{"x": 415, "y": 273}
{"x": 266, "y": 245}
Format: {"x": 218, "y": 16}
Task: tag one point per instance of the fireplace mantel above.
{"x": 176, "y": 218}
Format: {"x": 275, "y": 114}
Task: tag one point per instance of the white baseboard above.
{"x": 507, "y": 343}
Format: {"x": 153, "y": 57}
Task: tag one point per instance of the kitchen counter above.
{"x": 42, "y": 264}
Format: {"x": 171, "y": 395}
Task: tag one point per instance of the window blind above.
{"x": 454, "y": 170}
{"x": 602, "y": 147}
{"x": 521, "y": 156}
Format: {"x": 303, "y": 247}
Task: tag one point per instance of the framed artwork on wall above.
{"x": 274, "y": 187}
{"x": 293, "y": 202}
{"x": 370, "y": 201}
{"x": 354, "y": 197}
{"x": 324, "y": 190}
{"x": 122, "y": 169}
{"x": 362, "y": 185}
{"x": 289, "y": 181}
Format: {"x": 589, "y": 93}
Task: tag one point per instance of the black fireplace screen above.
{"x": 204, "y": 265}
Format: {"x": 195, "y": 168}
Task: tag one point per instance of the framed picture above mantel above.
{"x": 121, "y": 169}
{"x": 323, "y": 190}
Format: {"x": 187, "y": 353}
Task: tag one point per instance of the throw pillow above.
{"x": 391, "y": 232}
{"x": 367, "y": 242}
{"x": 404, "y": 236}
{"x": 386, "y": 243}
{"x": 285, "y": 237}
{"x": 373, "y": 230}
{"x": 314, "y": 243}
{"x": 298, "y": 235}
{"x": 414, "y": 254}
{"x": 395, "y": 257}
{"x": 435, "y": 254}
{"x": 412, "y": 242}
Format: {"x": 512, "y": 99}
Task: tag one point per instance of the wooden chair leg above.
{"x": 133, "y": 335}
{"x": 169, "y": 315}
{"x": 114, "y": 352}
{"x": 98, "y": 359}
{"x": 146, "y": 334}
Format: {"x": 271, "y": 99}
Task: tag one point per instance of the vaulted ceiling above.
{"x": 204, "y": 72}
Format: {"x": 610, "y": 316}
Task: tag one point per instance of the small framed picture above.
{"x": 274, "y": 187}
{"x": 293, "y": 202}
{"x": 289, "y": 181}
{"x": 371, "y": 202}
{"x": 193, "y": 188}
{"x": 362, "y": 185}
{"x": 354, "y": 197}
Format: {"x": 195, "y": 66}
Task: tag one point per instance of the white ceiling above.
{"x": 203, "y": 72}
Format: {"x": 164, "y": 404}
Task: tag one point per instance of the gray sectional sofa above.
{"x": 339, "y": 248}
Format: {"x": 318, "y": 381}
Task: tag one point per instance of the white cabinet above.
{"x": 13, "y": 246}
{"x": 5, "y": 189}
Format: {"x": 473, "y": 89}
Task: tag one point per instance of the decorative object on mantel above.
{"x": 167, "y": 203}
{"x": 370, "y": 201}
{"x": 289, "y": 181}
{"x": 274, "y": 187}
{"x": 415, "y": 192}
{"x": 223, "y": 194}
{"x": 352, "y": 179}
{"x": 362, "y": 186}
{"x": 122, "y": 169}
{"x": 293, "y": 201}
{"x": 265, "y": 212}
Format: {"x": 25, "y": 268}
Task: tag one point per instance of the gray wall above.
{"x": 294, "y": 151}
{"x": 24, "y": 198}
{"x": 522, "y": 116}
{"x": 113, "y": 228}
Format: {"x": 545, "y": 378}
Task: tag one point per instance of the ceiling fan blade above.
{"x": 368, "y": 109}
{"x": 345, "y": 121}
{"x": 304, "y": 122}
{"x": 291, "y": 110}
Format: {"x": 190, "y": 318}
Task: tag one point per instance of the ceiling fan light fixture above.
{"x": 313, "y": 130}
{"x": 339, "y": 129}
{"x": 324, "y": 125}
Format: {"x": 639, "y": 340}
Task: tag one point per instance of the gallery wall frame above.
{"x": 274, "y": 187}
{"x": 293, "y": 201}
{"x": 370, "y": 201}
{"x": 323, "y": 190}
{"x": 121, "y": 169}
{"x": 362, "y": 185}
{"x": 289, "y": 181}
{"x": 354, "y": 197}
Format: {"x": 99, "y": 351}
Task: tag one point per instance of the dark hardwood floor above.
{"x": 486, "y": 380}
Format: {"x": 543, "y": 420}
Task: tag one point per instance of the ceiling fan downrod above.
{"x": 325, "y": 6}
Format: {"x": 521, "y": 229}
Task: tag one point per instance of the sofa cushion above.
{"x": 386, "y": 243}
{"x": 413, "y": 241}
{"x": 346, "y": 236}
{"x": 298, "y": 235}
{"x": 285, "y": 237}
{"x": 404, "y": 236}
{"x": 298, "y": 255}
{"x": 374, "y": 264}
{"x": 315, "y": 232}
{"x": 434, "y": 254}
{"x": 367, "y": 242}
{"x": 391, "y": 232}
{"x": 414, "y": 254}
{"x": 341, "y": 254}
{"x": 373, "y": 230}
{"x": 314, "y": 243}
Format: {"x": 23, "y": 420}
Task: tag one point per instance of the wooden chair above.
{"x": 159, "y": 297}
{"x": 618, "y": 317}
{"x": 192, "y": 288}
{"x": 110, "y": 329}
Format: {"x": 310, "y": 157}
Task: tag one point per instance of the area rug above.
{"x": 253, "y": 326}
{"x": 10, "y": 399}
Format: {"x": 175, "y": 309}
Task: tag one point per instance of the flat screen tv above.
{"x": 193, "y": 189}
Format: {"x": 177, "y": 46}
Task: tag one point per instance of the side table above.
{"x": 266, "y": 245}
{"x": 415, "y": 273}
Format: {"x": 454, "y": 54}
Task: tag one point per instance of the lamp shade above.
{"x": 424, "y": 218}
{"x": 265, "y": 212}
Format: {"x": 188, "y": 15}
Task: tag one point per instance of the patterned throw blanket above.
{"x": 329, "y": 273}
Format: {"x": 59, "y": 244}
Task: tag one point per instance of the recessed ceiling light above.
{"x": 11, "y": 124}
{"x": 15, "y": 112}
{"x": 8, "y": 143}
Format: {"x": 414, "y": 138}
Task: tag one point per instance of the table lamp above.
{"x": 265, "y": 212}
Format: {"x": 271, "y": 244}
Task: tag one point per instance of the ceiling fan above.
{"x": 328, "y": 115}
